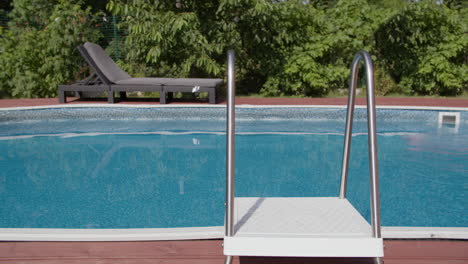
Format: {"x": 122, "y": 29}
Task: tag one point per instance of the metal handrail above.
{"x": 374, "y": 183}
{"x": 372, "y": 136}
{"x": 230, "y": 134}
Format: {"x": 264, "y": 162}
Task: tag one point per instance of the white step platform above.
{"x": 300, "y": 227}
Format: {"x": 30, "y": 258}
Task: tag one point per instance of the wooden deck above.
{"x": 210, "y": 252}
{"x": 407, "y": 101}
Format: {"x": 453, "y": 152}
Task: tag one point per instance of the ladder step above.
{"x": 297, "y": 226}
{"x": 303, "y": 247}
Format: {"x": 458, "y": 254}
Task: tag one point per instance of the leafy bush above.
{"x": 319, "y": 62}
{"x": 294, "y": 47}
{"x": 383, "y": 82}
{"x": 268, "y": 33}
{"x": 38, "y": 55}
{"x": 424, "y": 47}
{"x": 31, "y": 13}
{"x": 165, "y": 36}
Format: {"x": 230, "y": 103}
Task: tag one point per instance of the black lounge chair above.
{"x": 108, "y": 77}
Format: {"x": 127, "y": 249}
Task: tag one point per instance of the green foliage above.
{"x": 384, "y": 83}
{"x": 266, "y": 34}
{"x": 283, "y": 48}
{"x": 303, "y": 71}
{"x": 329, "y": 39}
{"x": 167, "y": 37}
{"x": 425, "y": 48}
{"x": 31, "y": 13}
{"x": 35, "y": 58}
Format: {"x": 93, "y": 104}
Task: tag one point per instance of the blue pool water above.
{"x": 165, "y": 167}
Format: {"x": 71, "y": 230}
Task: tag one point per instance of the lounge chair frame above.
{"x": 98, "y": 82}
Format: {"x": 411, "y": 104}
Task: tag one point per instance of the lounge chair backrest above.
{"x": 104, "y": 63}
{"x": 94, "y": 68}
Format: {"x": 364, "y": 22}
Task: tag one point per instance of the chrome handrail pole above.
{"x": 230, "y": 144}
{"x": 372, "y": 137}
{"x": 349, "y": 125}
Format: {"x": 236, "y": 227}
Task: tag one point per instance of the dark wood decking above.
{"x": 442, "y": 102}
{"x": 210, "y": 252}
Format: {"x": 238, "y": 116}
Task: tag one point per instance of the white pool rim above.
{"x": 191, "y": 233}
{"x": 224, "y": 106}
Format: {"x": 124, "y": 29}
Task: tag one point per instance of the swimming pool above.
{"x": 127, "y": 168}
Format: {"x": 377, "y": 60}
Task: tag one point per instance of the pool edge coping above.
{"x": 223, "y": 106}
{"x": 195, "y": 233}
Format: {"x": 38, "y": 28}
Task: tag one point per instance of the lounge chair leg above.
{"x": 162, "y": 97}
{"x": 123, "y": 95}
{"x": 62, "y": 97}
{"x": 212, "y": 97}
{"x": 110, "y": 97}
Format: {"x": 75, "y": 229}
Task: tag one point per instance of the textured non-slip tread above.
{"x": 300, "y": 227}
{"x": 298, "y": 216}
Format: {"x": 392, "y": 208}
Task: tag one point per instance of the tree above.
{"x": 37, "y": 52}
{"x": 425, "y": 48}
{"x": 292, "y": 47}
{"x": 171, "y": 39}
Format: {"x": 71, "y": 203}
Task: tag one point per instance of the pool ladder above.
{"x": 376, "y": 239}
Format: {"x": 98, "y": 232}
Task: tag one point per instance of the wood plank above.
{"x": 117, "y": 261}
{"x": 111, "y": 249}
{"x": 210, "y": 251}
{"x": 440, "y": 249}
{"x": 439, "y": 102}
